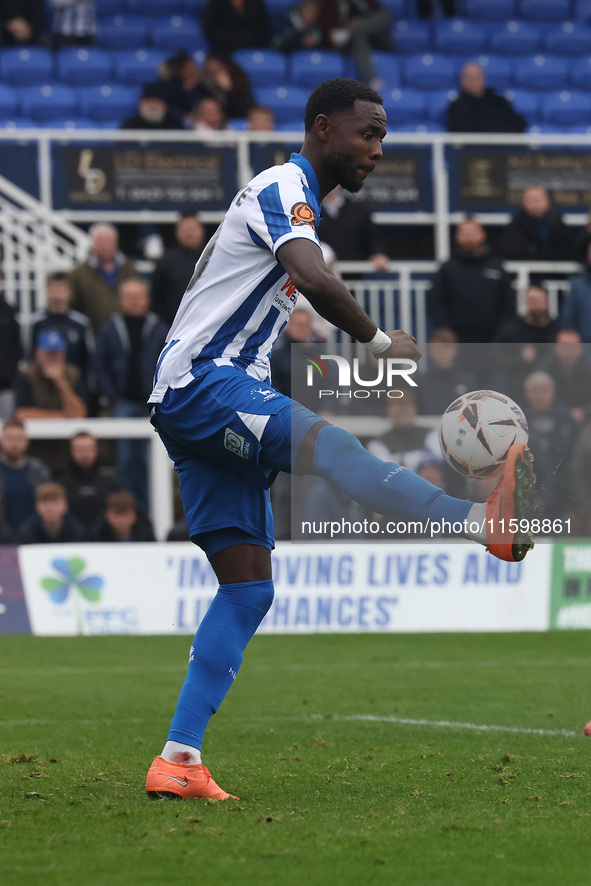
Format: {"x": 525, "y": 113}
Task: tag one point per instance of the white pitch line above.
{"x": 448, "y": 724}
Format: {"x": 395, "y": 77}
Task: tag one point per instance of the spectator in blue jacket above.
{"x": 128, "y": 344}
{"x": 575, "y": 312}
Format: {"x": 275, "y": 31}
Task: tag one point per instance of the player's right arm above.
{"x": 303, "y": 261}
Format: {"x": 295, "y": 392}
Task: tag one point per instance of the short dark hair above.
{"x": 337, "y": 95}
{"x": 57, "y": 276}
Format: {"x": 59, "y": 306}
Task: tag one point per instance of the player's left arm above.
{"x": 303, "y": 261}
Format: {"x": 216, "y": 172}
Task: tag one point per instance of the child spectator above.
{"x": 122, "y": 521}
{"x": 52, "y": 523}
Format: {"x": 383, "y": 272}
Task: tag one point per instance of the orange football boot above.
{"x": 587, "y": 729}
{"x": 507, "y": 532}
{"x": 180, "y": 781}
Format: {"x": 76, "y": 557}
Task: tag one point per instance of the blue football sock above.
{"x": 216, "y": 655}
{"x": 381, "y": 486}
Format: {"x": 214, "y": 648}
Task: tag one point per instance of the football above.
{"x": 477, "y": 431}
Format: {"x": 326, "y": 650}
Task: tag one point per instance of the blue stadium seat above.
{"x": 176, "y": 33}
{"x": 542, "y": 72}
{"x": 122, "y": 32}
{"x": 109, "y": 7}
{"x": 526, "y": 103}
{"x": 575, "y": 130}
{"x": 309, "y": 68}
{"x": 263, "y": 66}
{"x": 286, "y": 102}
{"x": 498, "y": 70}
{"x": 79, "y": 65}
{"x": 8, "y": 101}
{"x": 69, "y": 123}
{"x": 156, "y": 7}
{"x": 515, "y": 38}
{"x": 405, "y": 106}
{"x": 580, "y": 72}
{"x": 18, "y": 123}
{"x": 459, "y": 36}
{"x": 26, "y": 66}
{"x": 109, "y": 101}
{"x": 569, "y": 38}
{"x": 544, "y": 10}
{"x": 583, "y": 10}
{"x": 438, "y": 103}
{"x": 567, "y": 108}
{"x": 138, "y": 66}
{"x": 396, "y": 7}
{"x": 419, "y": 127}
{"x": 544, "y": 129}
{"x": 290, "y": 126}
{"x": 490, "y": 10}
{"x": 51, "y": 101}
{"x": 411, "y": 37}
{"x": 387, "y": 68}
{"x": 429, "y": 71}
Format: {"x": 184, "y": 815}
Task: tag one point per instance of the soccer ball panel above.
{"x": 478, "y": 429}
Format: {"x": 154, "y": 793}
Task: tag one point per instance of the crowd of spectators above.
{"x": 92, "y": 348}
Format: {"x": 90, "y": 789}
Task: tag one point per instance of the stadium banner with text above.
{"x": 321, "y": 588}
{"x": 135, "y": 176}
{"x": 570, "y": 601}
{"x": 492, "y": 179}
{"x": 14, "y": 618}
{"x": 401, "y": 181}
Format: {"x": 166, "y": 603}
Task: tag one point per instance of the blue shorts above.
{"x": 229, "y": 436}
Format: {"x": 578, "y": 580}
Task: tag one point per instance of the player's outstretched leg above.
{"x": 507, "y": 529}
{"x": 216, "y": 655}
{"x": 390, "y": 489}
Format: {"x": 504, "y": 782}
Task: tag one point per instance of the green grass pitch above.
{"x": 365, "y": 759}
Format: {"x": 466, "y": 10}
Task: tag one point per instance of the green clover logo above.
{"x": 71, "y": 580}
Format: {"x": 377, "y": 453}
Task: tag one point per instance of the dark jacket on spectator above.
{"x": 87, "y": 490}
{"x": 334, "y": 14}
{"x": 31, "y": 532}
{"x": 228, "y": 30}
{"x": 113, "y": 351}
{"x": 18, "y": 500}
{"x": 471, "y": 295}
{"x": 33, "y": 11}
{"x": 352, "y": 233}
{"x": 10, "y": 345}
{"x": 530, "y": 239}
{"x": 170, "y": 278}
{"x": 491, "y": 113}
{"x": 141, "y": 530}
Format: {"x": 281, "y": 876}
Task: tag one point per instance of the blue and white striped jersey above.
{"x": 240, "y": 297}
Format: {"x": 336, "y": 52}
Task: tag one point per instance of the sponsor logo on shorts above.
{"x": 236, "y": 443}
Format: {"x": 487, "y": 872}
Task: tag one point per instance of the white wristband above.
{"x": 379, "y": 343}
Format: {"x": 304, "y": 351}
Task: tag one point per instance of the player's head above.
{"x": 345, "y": 121}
